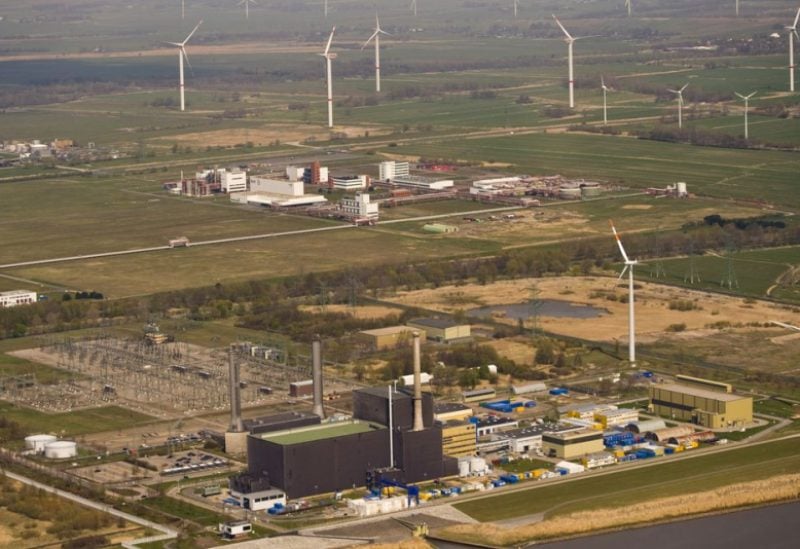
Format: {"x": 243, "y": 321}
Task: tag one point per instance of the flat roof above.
{"x": 444, "y": 407}
{"x": 389, "y": 330}
{"x": 698, "y": 392}
{"x": 436, "y": 322}
{"x": 383, "y": 392}
{"x": 525, "y": 432}
{"x": 11, "y": 293}
{"x": 320, "y": 432}
{"x": 277, "y": 419}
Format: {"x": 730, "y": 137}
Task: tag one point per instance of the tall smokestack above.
{"x": 236, "y": 395}
{"x": 417, "y": 386}
{"x": 316, "y": 358}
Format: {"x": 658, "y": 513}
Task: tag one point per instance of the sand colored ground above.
{"x": 264, "y": 136}
{"x": 778, "y": 488}
{"x": 653, "y": 315}
{"x": 519, "y": 351}
{"x": 362, "y": 311}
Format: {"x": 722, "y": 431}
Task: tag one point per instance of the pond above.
{"x": 555, "y": 308}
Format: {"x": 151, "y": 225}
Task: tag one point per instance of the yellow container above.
{"x": 538, "y": 472}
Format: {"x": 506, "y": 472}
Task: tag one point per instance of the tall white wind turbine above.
{"x": 326, "y": 9}
{"x": 414, "y": 6}
{"x": 605, "y": 104}
{"x": 570, "y": 41}
{"x": 183, "y": 9}
{"x": 377, "y": 37}
{"x": 737, "y": 8}
{"x": 246, "y": 7}
{"x": 629, "y": 263}
{"x": 628, "y": 5}
{"x": 746, "y": 99}
{"x": 328, "y": 58}
{"x": 679, "y": 94}
{"x": 181, "y": 55}
{"x": 792, "y": 33}
{"x": 516, "y": 7}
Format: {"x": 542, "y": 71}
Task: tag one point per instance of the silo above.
{"x": 60, "y": 449}
{"x": 38, "y": 442}
{"x": 590, "y": 190}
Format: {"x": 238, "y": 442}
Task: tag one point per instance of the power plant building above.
{"x": 390, "y": 337}
{"x": 459, "y": 438}
{"x": 572, "y": 444}
{"x": 441, "y": 329}
{"x": 713, "y": 409}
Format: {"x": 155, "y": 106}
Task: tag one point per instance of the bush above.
{"x": 676, "y": 327}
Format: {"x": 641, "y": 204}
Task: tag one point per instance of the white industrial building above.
{"x": 408, "y": 380}
{"x": 350, "y": 182}
{"x": 528, "y": 388}
{"x": 426, "y": 183}
{"x": 524, "y": 440}
{"x": 359, "y": 207}
{"x": 259, "y": 500}
{"x": 230, "y": 181}
{"x": 17, "y": 297}
{"x": 266, "y": 191}
{"x": 390, "y": 169}
{"x": 498, "y": 185}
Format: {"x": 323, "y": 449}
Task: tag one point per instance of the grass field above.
{"x": 184, "y": 510}
{"x": 75, "y": 423}
{"x": 629, "y": 487}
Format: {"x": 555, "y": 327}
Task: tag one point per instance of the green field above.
{"x": 75, "y": 423}
{"x": 630, "y": 487}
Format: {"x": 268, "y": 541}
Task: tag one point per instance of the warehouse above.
{"x": 572, "y": 444}
{"x": 709, "y": 408}
{"x": 441, "y": 329}
{"x": 390, "y": 337}
{"x": 528, "y": 439}
{"x": 586, "y": 411}
{"x": 494, "y": 424}
{"x": 17, "y": 297}
{"x": 612, "y": 418}
{"x": 528, "y": 388}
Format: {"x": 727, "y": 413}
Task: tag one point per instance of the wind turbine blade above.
{"x": 192, "y": 33}
{"x": 673, "y": 91}
{"x": 622, "y": 273}
{"x": 784, "y": 325}
{"x": 796, "y": 19}
{"x": 374, "y": 34}
{"x": 684, "y": 87}
{"x": 176, "y": 44}
{"x": 569, "y": 36}
{"x": 740, "y": 95}
{"x": 330, "y": 39}
{"x": 619, "y": 243}
{"x": 751, "y": 95}
{"x": 185, "y": 56}
{"x": 602, "y": 82}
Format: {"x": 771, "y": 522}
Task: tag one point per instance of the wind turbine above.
{"x": 414, "y": 7}
{"x": 605, "y": 104}
{"x": 183, "y": 9}
{"x": 679, "y": 93}
{"x": 784, "y": 325}
{"x": 181, "y": 55}
{"x": 792, "y": 33}
{"x": 377, "y": 36}
{"x": 246, "y": 7}
{"x": 737, "y": 8}
{"x": 746, "y": 99}
{"x": 326, "y": 9}
{"x": 570, "y": 41}
{"x": 328, "y": 58}
{"x": 629, "y": 263}
{"x": 628, "y": 5}
{"x": 516, "y": 7}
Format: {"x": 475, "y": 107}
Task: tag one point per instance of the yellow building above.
{"x": 715, "y": 409}
{"x": 441, "y": 329}
{"x": 458, "y": 439}
{"x": 388, "y": 338}
{"x": 451, "y": 411}
{"x": 571, "y": 445}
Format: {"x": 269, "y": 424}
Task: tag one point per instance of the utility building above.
{"x": 387, "y": 338}
{"x": 714, "y": 409}
{"x": 441, "y": 329}
{"x": 572, "y": 444}
{"x": 17, "y": 297}
{"x": 459, "y": 439}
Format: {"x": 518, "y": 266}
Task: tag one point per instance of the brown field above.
{"x": 779, "y": 488}
{"x": 517, "y": 349}
{"x": 653, "y": 315}
{"x": 361, "y": 311}
{"x": 264, "y": 136}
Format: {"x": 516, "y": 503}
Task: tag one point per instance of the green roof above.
{"x": 320, "y": 432}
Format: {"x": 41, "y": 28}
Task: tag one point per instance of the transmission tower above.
{"x": 692, "y": 274}
{"x": 729, "y": 279}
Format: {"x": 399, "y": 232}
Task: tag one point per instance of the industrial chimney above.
{"x": 417, "y": 386}
{"x": 316, "y": 359}
{"x": 236, "y": 395}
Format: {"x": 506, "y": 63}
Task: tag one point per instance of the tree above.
{"x": 468, "y": 379}
{"x": 360, "y": 371}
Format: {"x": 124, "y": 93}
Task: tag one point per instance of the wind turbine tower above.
{"x": 605, "y": 103}
{"x": 570, "y": 41}
{"x": 183, "y": 9}
{"x": 679, "y": 94}
{"x": 792, "y": 33}
{"x": 628, "y": 5}
{"x": 247, "y": 7}
{"x": 629, "y": 264}
{"x": 377, "y": 37}
{"x": 516, "y": 7}
{"x": 328, "y": 58}
{"x": 746, "y": 99}
{"x": 181, "y": 55}
{"x": 414, "y": 7}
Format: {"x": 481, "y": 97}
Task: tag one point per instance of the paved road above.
{"x": 167, "y": 533}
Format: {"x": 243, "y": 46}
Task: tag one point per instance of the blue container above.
{"x": 498, "y": 483}
{"x": 530, "y": 404}
{"x": 558, "y": 391}
{"x": 510, "y": 479}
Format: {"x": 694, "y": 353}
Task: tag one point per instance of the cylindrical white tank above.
{"x": 463, "y": 468}
{"x": 681, "y": 188}
{"x": 38, "y": 442}
{"x": 60, "y": 449}
{"x": 477, "y": 465}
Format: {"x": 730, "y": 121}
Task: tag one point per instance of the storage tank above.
{"x": 590, "y": 190}
{"x": 477, "y": 465}
{"x": 681, "y": 190}
{"x": 463, "y": 467}
{"x": 60, "y": 449}
{"x": 38, "y": 442}
{"x": 569, "y": 193}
